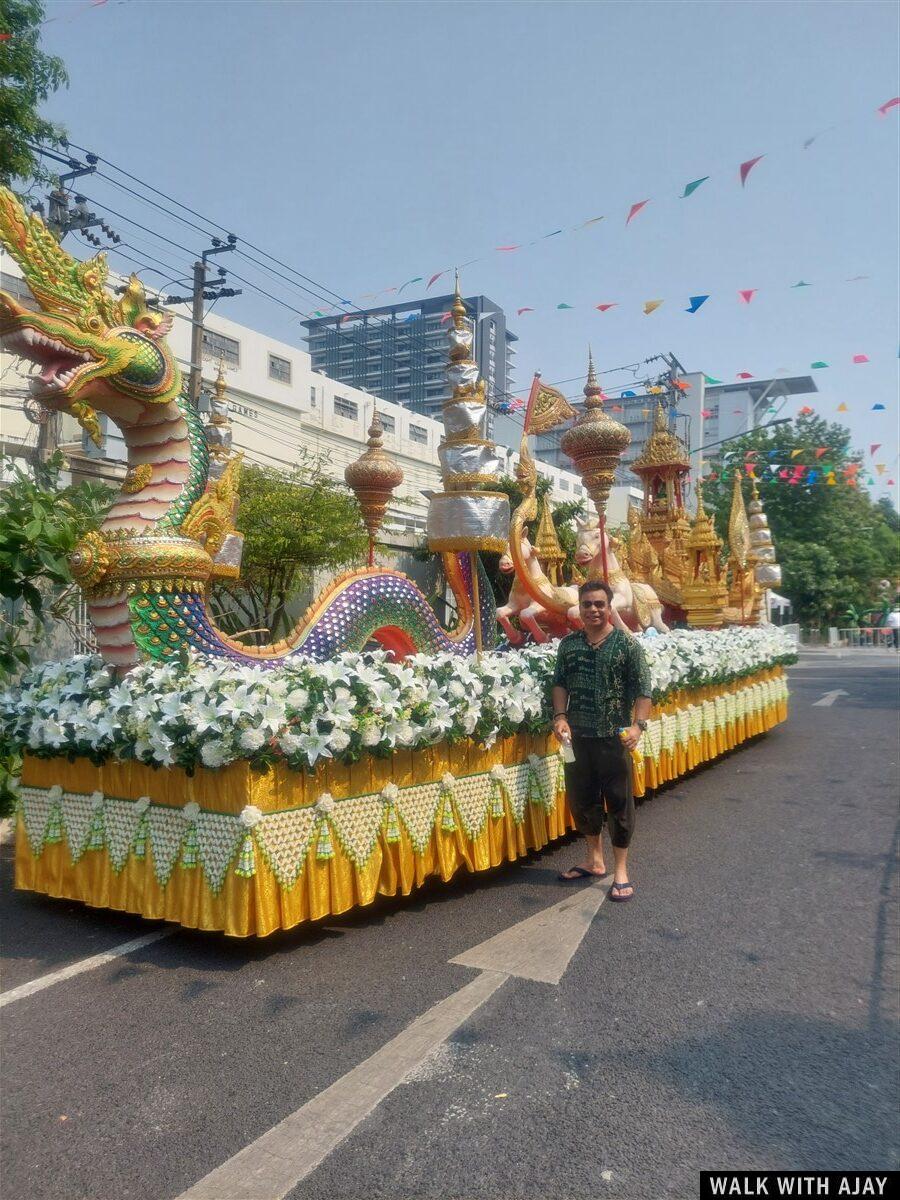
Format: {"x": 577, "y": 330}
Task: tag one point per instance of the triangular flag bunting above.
{"x": 606, "y": 307}
{"x": 801, "y": 283}
{"x": 875, "y": 446}
{"x": 888, "y": 104}
{"x": 506, "y": 248}
{"x": 747, "y": 294}
{"x": 692, "y": 187}
{"x": 564, "y": 306}
{"x": 821, "y": 450}
{"x": 592, "y": 221}
{"x": 817, "y": 365}
{"x": 747, "y": 167}
{"x": 877, "y": 408}
{"x": 418, "y": 279}
{"x": 519, "y": 311}
{"x": 635, "y": 209}
{"x": 434, "y": 279}
{"x": 842, "y": 408}
{"x": 794, "y": 453}
{"x": 651, "y": 306}
{"x": 709, "y": 379}
{"x": 860, "y": 358}
{"x": 696, "y": 302}
{"x": 743, "y": 375}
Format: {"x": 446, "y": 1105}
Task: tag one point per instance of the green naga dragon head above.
{"x": 94, "y": 351}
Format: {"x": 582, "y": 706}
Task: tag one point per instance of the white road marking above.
{"x": 540, "y": 947}
{"x": 78, "y": 968}
{"x": 275, "y": 1163}
{"x": 829, "y": 698}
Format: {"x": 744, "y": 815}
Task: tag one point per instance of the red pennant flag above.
{"x": 607, "y": 307}
{"x": 860, "y": 358}
{"x": 743, "y": 375}
{"x": 705, "y": 412}
{"x": 888, "y": 104}
{"x": 783, "y": 473}
{"x": 446, "y": 317}
{"x": 875, "y": 446}
{"x": 890, "y": 483}
{"x": 747, "y": 167}
{"x": 748, "y": 294}
{"x": 433, "y": 278}
{"x": 635, "y": 209}
{"x": 682, "y": 385}
{"x": 805, "y": 411}
{"x": 519, "y": 311}
{"x": 506, "y": 247}
{"x": 821, "y": 450}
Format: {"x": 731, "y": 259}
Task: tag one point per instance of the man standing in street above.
{"x": 601, "y": 703}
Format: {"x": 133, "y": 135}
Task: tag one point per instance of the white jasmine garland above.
{"x": 191, "y": 811}
{"x": 142, "y": 804}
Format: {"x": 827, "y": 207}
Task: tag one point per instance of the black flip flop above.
{"x": 580, "y": 873}
{"x": 614, "y": 895}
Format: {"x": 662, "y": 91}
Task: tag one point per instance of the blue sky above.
{"x": 368, "y": 143}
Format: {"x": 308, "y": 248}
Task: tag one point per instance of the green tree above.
{"x": 835, "y": 529}
{"x": 293, "y": 525}
{"x": 39, "y": 526}
{"x": 27, "y": 77}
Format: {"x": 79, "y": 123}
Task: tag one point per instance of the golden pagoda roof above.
{"x": 663, "y": 448}
{"x": 703, "y": 533}
{"x": 546, "y": 541}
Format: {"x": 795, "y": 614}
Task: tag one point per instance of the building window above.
{"x": 388, "y": 424}
{"x": 217, "y": 345}
{"x": 564, "y": 483}
{"x": 346, "y": 408}
{"x": 279, "y": 368}
{"x": 418, "y": 433}
{"x": 312, "y": 397}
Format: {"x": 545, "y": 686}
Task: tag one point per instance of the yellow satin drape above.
{"x": 259, "y": 905}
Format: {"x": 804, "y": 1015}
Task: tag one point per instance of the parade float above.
{"x": 185, "y": 776}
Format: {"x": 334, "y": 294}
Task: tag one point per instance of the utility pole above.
{"x": 200, "y": 292}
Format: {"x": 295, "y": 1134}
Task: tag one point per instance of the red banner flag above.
{"x": 747, "y": 167}
{"x": 748, "y": 294}
{"x": 433, "y": 278}
{"x": 888, "y": 104}
{"x": 607, "y": 307}
{"x": 635, "y": 209}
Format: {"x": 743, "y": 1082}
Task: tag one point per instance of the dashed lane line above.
{"x": 79, "y": 968}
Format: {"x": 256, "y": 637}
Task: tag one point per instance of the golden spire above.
{"x": 595, "y": 443}
{"x": 373, "y": 477}
{"x": 546, "y": 543}
{"x": 738, "y": 527}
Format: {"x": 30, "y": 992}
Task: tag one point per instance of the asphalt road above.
{"x": 741, "y": 1013}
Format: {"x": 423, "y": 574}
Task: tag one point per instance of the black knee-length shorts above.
{"x": 601, "y": 775}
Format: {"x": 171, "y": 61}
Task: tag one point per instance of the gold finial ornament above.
{"x": 704, "y": 593}
{"x": 218, "y": 428}
{"x": 550, "y": 553}
{"x": 595, "y": 443}
{"x": 373, "y": 478}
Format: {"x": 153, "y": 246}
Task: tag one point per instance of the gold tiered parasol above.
{"x": 373, "y": 478}
{"x": 595, "y": 444}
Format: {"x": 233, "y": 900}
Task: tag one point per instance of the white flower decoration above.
{"x": 250, "y": 815}
{"x": 55, "y": 793}
{"x": 448, "y": 780}
{"x": 191, "y": 811}
{"x": 96, "y": 800}
{"x": 533, "y": 761}
{"x": 389, "y": 793}
{"x": 498, "y": 772}
{"x": 142, "y": 804}
{"x": 325, "y": 804}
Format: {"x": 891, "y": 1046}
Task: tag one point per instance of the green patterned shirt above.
{"x": 603, "y": 682}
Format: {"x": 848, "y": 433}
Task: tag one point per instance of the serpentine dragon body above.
{"x": 146, "y": 571}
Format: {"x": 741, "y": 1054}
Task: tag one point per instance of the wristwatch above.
{"x": 642, "y": 726}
